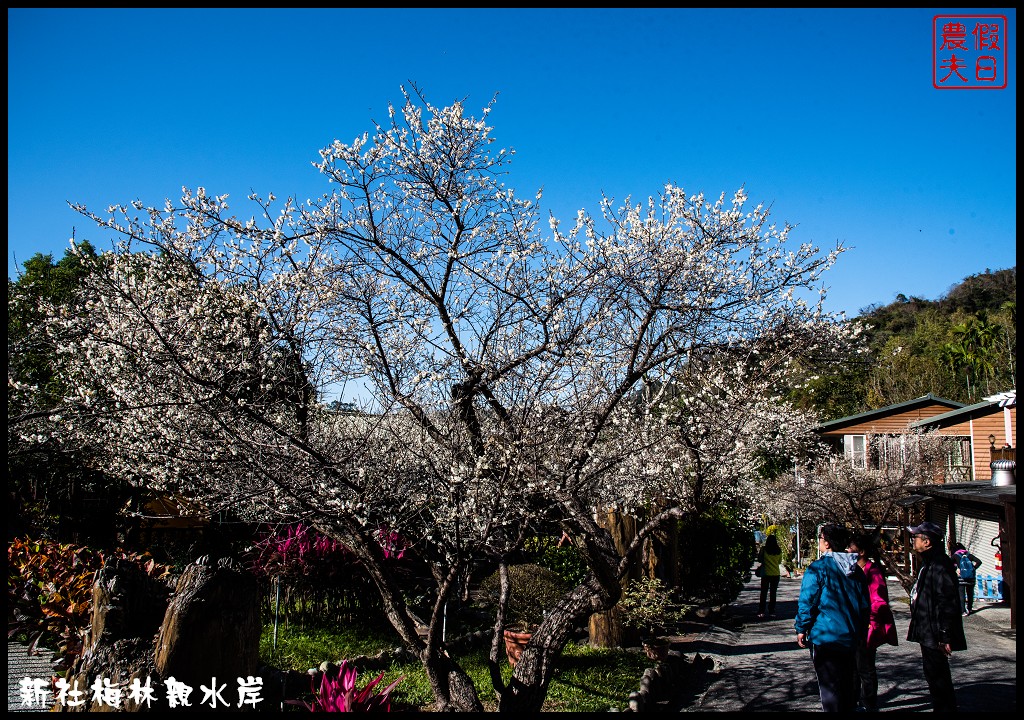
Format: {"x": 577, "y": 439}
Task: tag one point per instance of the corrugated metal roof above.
{"x": 911, "y": 500}
{"x": 982, "y": 492}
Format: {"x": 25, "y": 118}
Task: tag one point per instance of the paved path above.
{"x": 761, "y": 668}
{"x": 758, "y": 666}
{"x": 21, "y": 665}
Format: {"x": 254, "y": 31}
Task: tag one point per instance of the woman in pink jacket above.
{"x": 881, "y": 624}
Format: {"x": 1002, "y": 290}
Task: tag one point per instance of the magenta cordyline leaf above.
{"x": 346, "y": 677}
{"x": 338, "y": 694}
{"x": 325, "y": 546}
{"x": 391, "y": 543}
{"x": 380, "y": 700}
{"x": 300, "y": 549}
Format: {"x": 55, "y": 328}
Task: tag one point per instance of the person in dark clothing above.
{"x": 935, "y": 619}
{"x": 967, "y": 570}
{"x": 832, "y": 616}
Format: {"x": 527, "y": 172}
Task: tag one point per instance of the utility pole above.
{"x": 796, "y": 477}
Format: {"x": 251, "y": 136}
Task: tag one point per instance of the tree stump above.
{"x": 210, "y": 632}
{"x": 212, "y": 628}
{"x": 127, "y": 606}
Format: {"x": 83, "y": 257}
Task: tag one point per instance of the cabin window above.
{"x": 855, "y": 450}
{"x": 888, "y": 452}
{"x": 958, "y": 460}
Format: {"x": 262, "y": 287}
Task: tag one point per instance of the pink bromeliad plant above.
{"x": 339, "y": 694}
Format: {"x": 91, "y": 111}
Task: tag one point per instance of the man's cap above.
{"x": 927, "y": 528}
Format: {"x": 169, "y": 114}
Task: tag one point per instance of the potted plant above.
{"x": 647, "y": 607}
{"x": 532, "y": 589}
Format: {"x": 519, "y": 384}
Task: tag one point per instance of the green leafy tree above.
{"x": 716, "y": 550}
{"x": 900, "y": 373}
{"x": 972, "y": 353}
{"x": 982, "y": 292}
{"x": 1006, "y": 319}
{"x": 836, "y": 394}
{"x": 46, "y": 480}
{"x": 961, "y": 347}
{"x": 29, "y": 353}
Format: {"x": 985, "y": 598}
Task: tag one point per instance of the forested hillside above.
{"x": 962, "y": 347}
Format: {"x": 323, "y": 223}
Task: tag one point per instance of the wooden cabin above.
{"x": 866, "y": 439}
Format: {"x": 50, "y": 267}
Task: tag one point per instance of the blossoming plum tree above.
{"x": 513, "y": 375}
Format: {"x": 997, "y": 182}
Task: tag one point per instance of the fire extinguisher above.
{"x": 999, "y": 561}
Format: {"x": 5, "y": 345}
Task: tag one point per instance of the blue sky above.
{"x": 829, "y": 116}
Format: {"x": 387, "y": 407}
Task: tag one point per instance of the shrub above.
{"x": 716, "y": 551}
{"x": 49, "y": 591}
{"x": 647, "y": 606}
{"x": 532, "y": 589}
{"x": 558, "y": 555}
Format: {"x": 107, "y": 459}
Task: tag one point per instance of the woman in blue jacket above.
{"x": 831, "y": 618}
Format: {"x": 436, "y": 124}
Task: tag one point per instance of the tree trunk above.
{"x": 608, "y": 631}
{"x": 606, "y": 628}
{"x": 600, "y": 591}
{"x": 452, "y": 687}
{"x": 526, "y": 691}
{"x": 528, "y": 687}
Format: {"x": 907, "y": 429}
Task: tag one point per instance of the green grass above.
{"x": 302, "y": 647}
{"x": 586, "y": 679}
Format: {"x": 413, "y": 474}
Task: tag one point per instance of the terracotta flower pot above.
{"x": 515, "y": 643}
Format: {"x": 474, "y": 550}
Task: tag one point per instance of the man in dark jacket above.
{"x": 832, "y": 616}
{"x": 935, "y": 619}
